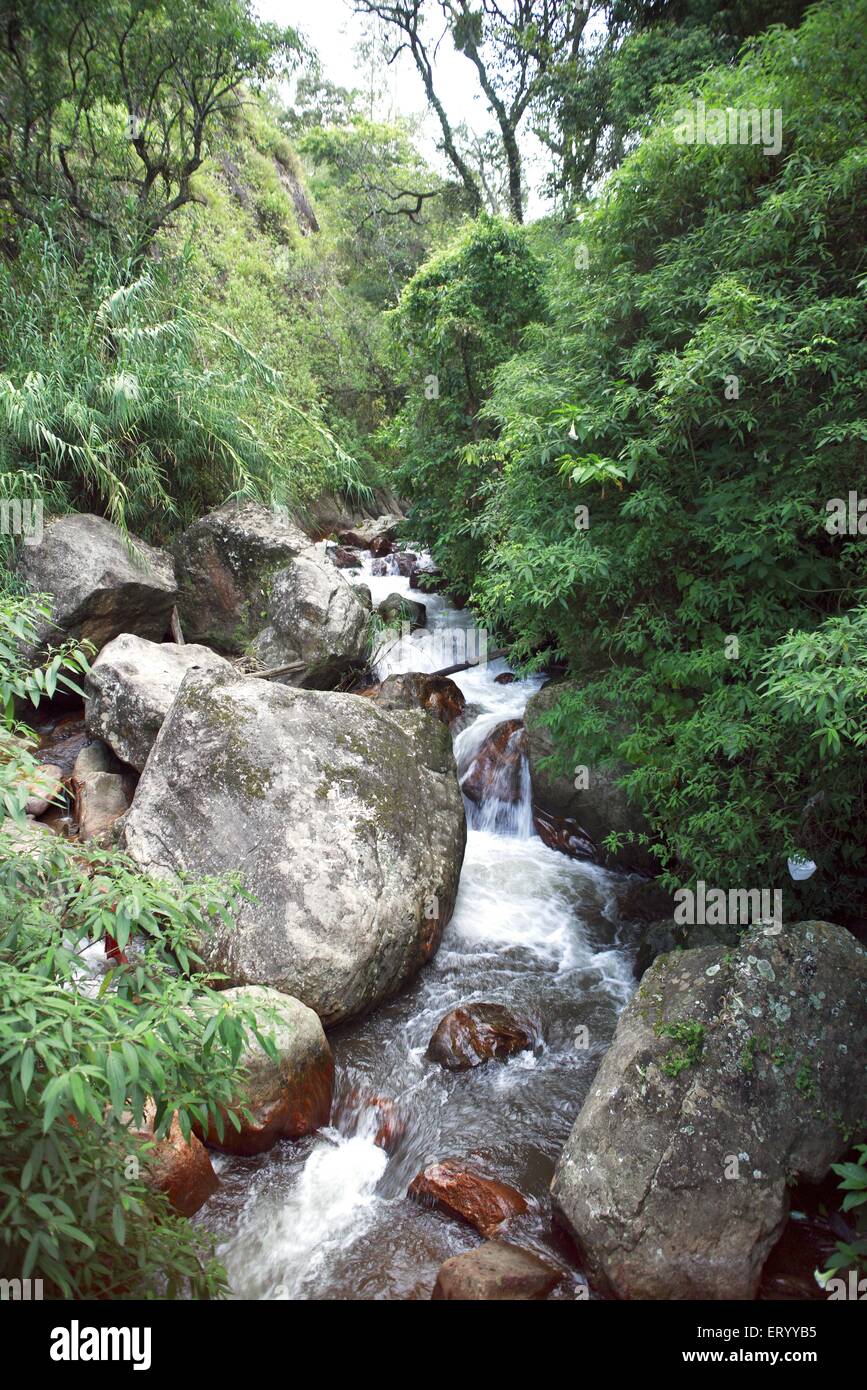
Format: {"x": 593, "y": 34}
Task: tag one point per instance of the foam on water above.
{"x": 532, "y": 928}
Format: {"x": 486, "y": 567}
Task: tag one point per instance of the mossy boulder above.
{"x": 314, "y": 618}
{"x": 345, "y": 822}
{"x": 130, "y": 688}
{"x": 225, "y": 565}
{"x": 734, "y": 1073}
{"x": 100, "y": 582}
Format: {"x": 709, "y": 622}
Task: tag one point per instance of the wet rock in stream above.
{"x": 496, "y": 1272}
{"x": 565, "y": 835}
{"x": 476, "y": 1033}
{"x": 458, "y": 1189}
{"x": 412, "y": 689}
{"x": 286, "y": 1098}
{"x": 496, "y": 770}
{"x": 181, "y": 1170}
{"x": 397, "y": 608}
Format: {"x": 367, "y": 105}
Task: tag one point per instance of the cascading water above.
{"x": 327, "y": 1218}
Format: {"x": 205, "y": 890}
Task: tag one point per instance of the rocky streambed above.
{"x": 532, "y": 929}
{"x": 429, "y": 891}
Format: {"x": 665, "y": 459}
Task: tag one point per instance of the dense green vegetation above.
{"x": 696, "y": 382}
{"x": 619, "y": 428}
{"x": 94, "y": 1063}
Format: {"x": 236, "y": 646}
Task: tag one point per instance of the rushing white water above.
{"x": 328, "y": 1218}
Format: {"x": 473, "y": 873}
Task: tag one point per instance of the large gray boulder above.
{"x": 225, "y": 563}
{"x": 101, "y": 583}
{"x": 130, "y": 689}
{"x": 733, "y": 1073}
{"x": 345, "y": 822}
{"x": 601, "y": 806}
{"x": 315, "y": 618}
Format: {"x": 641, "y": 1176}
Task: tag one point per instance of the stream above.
{"x": 328, "y": 1217}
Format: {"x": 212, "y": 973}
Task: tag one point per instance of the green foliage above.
{"x": 83, "y": 1068}
{"x": 459, "y": 317}
{"x": 707, "y": 508}
{"x": 110, "y": 106}
{"x": 87, "y": 1062}
{"x": 851, "y": 1254}
{"x": 597, "y": 99}
{"x": 690, "y": 1039}
{"x": 118, "y": 395}
{"x": 21, "y": 620}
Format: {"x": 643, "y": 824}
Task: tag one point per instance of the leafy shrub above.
{"x": 851, "y": 1254}
{"x": 706, "y": 498}
{"x": 84, "y": 1060}
{"x": 457, "y": 319}
{"x": 118, "y": 396}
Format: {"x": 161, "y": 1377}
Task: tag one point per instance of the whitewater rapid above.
{"x": 327, "y": 1218}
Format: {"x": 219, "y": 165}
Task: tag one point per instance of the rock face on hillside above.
{"x": 345, "y": 822}
{"x": 732, "y": 1073}
{"x": 600, "y": 807}
{"x": 130, "y": 689}
{"x": 100, "y": 583}
{"x": 314, "y": 617}
{"x": 329, "y": 515}
{"x": 225, "y": 563}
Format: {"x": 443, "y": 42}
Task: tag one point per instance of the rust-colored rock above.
{"x": 496, "y": 1272}
{"x": 425, "y": 576}
{"x": 344, "y": 558}
{"x": 564, "y": 834}
{"x": 505, "y": 678}
{"x": 476, "y": 1033}
{"x": 381, "y": 545}
{"x": 496, "y": 770}
{"x": 286, "y": 1099}
{"x": 405, "y": 563}
{"x": 437, "y": 694}
{"x": 459, "y": 1190}
{"x": 359, "y": 1109}
{"x": 182, "y": 1171}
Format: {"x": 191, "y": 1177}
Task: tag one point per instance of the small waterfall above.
{"x": 495, "y": 777}
{"x": 532, "y": 928}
